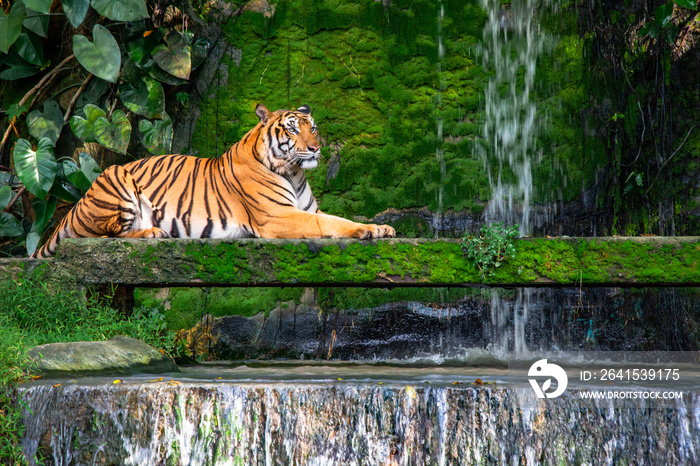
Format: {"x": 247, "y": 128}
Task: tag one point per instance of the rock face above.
{"x": 474, "y": 326}
{"x": 119, "y": 356}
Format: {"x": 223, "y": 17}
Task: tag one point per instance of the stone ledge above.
{"x": 615, "y": 261}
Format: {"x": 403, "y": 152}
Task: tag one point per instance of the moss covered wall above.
{"x": 369, "y": 72}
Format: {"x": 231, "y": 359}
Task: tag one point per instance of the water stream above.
{"x": 321, "y": 414}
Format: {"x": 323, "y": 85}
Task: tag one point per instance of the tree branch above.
{"x": 34, "y": 89}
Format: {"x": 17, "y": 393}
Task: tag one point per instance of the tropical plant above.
{"x": 492, "y": 248}
{"x": 113, "y": 69}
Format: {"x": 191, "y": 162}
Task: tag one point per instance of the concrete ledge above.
{"x": 616, "y": 261}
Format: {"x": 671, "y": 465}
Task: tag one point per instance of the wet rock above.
{"x": 339, "y": 423}
{"x": 119, "y": 356}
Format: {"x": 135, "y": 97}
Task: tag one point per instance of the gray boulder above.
{"x": 119, "y": 356}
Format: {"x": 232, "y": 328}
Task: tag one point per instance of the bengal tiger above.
{"x": 257, "y": 189}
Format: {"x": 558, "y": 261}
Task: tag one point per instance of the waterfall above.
{"x": 439, "y": 151}
{"x": 512, "y": 44}
{"x": 138, "y": 423}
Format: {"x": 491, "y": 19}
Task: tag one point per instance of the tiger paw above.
{"x": 374, "y": 231}
{"x": 149, "y": 233}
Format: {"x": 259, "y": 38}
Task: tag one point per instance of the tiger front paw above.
{"x": 374, "y": 231}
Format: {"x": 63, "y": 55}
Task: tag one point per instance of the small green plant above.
{"x": 492, "y": 248}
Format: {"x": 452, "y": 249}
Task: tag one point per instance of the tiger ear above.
{"x": 304, "y": 109}
{"x": 263, "y": 113}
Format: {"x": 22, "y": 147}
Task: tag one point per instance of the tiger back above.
{"x": 256, "y": 189}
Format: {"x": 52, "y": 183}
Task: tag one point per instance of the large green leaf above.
{"x": 146, "y": 98}
{"x": 38, "y": 23}
{"x": 32, "y": 240}
{"x": 11, "y": 25}
{"x": 83, "y": 177}
{"x": 663, "y": 14}
{"x": 75, "y": 176}
{"x": 121, "y": 10}
{"x": 75, "y": 11}
{"x": 5, "y": 196}
{"x": 64, "y": 190}
{"x": 83, "y": 128}
{"x": 157, "y": 136}
{"x": 46, "y": 124}
{"x": 30, "y": 48}
{"x": 41, "y": 6}
{"x": 43, "y": 211}
{"x": 36, "y": 170}
{"x": 689, "y": 4}
{"x": 113, "y": 135}
{"x": 9, "y": 225}
{"x": 89, "y": 167}
{"x": 175, "y": 58}
{"x": 100, "y": 57}
{"x": 18, "y": 67}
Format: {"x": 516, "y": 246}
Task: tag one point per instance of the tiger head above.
{"x": 290, "y": 137}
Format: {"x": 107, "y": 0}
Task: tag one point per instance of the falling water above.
{"x": 512, "y": 43}
{"x": 439, "y": 152}
{"x": 225, "y": 423}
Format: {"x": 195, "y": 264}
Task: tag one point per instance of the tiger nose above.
{"x": 313, "y": 147}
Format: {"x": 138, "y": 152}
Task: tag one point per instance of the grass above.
{"x": 34, "y": 313}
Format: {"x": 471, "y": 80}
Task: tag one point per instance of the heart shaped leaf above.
{"x": 100, "y": 57}
{"x": 18, "y": 67}
{"x": 11, "y": 25}
{"x": 113, "y": 135}
{"x": 75, "y": 11}
{"x": 30, "y": 48}
{"x": 157, "y": 136}
{"x": 36, "y": 170}
{"x": 147, "y": 98}
{"x": 121, "y": 10}
{"x": 46, "y": 124}
{"x": 9, "y": 225}
{"x": 37, "y": 23}
{"x": 175, "y": 58}
{"x": 83, "y": 128}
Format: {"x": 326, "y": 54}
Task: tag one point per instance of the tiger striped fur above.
{"x": 255, "y": 190}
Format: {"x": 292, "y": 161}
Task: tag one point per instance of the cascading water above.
{"x": 340, "y": 423}
{"x": 512, "y": 44}
{"x": 439, "y": 151}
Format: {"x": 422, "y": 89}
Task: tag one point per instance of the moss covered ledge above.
{"x": 617, "y": 261}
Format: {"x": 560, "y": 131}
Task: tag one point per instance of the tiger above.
{"x": 257, "y": 189}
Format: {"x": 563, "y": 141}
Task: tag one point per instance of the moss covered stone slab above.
{"x": 617, "y": 261}
{"x": 119, "y": 356}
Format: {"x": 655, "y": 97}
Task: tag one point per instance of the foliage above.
{"x": 127, "y": 54}
{"x": 641, "y": 114}
{"x": 33, "y": 313}
{"x": 490, "y": 250}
